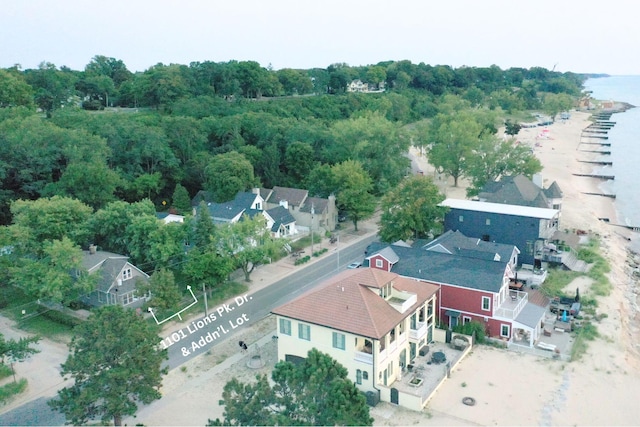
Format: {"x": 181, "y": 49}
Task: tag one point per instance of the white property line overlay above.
{"x": 195, "y": 300}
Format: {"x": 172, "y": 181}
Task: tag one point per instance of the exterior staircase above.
{"x": 571, "y": 261}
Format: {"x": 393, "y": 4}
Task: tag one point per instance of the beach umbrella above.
{"x": 564, "y": 315}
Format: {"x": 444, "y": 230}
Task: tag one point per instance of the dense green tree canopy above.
{"x": 411, "y": 210}
{"x": 115, "y": 363}
{"x": 353, "y": 188}
{"x": 317, "y": 392}
{"x": 227, "y": 174}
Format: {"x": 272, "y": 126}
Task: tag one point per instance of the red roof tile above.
{"x": 347, "y": 303}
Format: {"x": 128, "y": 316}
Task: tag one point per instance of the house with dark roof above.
{"x": 314, "y": 213}
{"x": 116, "y": 280}
{"x": 528, "y": 228}
{"x": 520, "y": 190}
{"x": 474, "y": 277}
{"x": 373, "y": 322}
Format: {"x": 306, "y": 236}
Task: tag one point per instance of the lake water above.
{"x": 625, "y": 145}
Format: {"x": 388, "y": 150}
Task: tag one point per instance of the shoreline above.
{"x": 521, "y": 389}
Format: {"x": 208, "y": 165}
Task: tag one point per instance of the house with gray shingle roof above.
{"x": 310, "y": 212}
{"x": 116, "y": 280}
{"x": 520, "y": 190}
{"x": 372, "y": 322}
{"x": 474, "y": 279}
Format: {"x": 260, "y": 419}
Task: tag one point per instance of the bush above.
{"x": 12, "y": 389}
{"x": 474, "y": 329}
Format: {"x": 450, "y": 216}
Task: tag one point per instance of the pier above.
{"x": 611, "y": 196}
{"x": 595, "y": 175}
{"x": 597, "y": 162}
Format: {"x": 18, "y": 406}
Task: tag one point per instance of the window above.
{"x": 383, "y": 343}
{"x": 460, "y": 218}
{"x": 285, "y": 326}
{"x": 358, "y": 376}
{"x": 126, "y": 274}
{"x": 414, "y": 321}
{"x": 379, "y": 263}
{"x": 401, "y": 327}
{"x": 365, "y": 375}
{"x": 487, "y": 221}
{"x": 338, "y": 340}
{"x": 128, "y": 298}
{"x": 486, "y": 303}
{"x": 466, "y": 319}
{"x": 304, "y": 332}
{"x": 392, "y": 335}
{"x": 504, "y": 330}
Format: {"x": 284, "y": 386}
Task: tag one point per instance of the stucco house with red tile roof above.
{"x": 373, "y": 322}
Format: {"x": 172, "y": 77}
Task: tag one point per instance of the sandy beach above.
{"x": 510, "y": 388}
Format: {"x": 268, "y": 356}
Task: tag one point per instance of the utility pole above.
{"x": 338, "y": 250}
{"x": 205, "y": 300}
{"x": 311, "y": 228}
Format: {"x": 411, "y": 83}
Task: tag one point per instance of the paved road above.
{"x": 203, "y": 333}
{"x": 256, "y": 307}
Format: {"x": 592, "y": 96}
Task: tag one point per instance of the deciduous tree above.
{"x": 227, "y": 174}
{"x": 17, "y": 351}
{"x": 115, "y": 363}
{"x": 316, "y": 392}
{"x": 412, "y": 210}
{"x": 353, "y": 191}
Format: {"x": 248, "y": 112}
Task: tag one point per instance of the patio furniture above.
{"x": 438, "y": 357}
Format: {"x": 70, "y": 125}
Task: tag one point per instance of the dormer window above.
{"x": 385, "y": 291}
{"x": 126, "y": 274}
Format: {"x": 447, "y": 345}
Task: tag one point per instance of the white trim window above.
{"x": 127, "y": 274}
{"x": 466, "y": 319}
{"x": 129, "y": 298}
{"x": 338, "y": 340}
{"x": 486, "y": 303}
{"x": 285, "y": 326}
{"x": 304, "y": 332}
{"x": 378, "y": 263}
{"x": 505, "y": 330}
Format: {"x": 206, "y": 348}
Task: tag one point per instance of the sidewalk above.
{"x": 265, "y": 275}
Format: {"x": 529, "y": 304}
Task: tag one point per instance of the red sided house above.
{"x": 474, "y": 278}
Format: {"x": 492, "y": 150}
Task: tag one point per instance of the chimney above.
{"x": 92, "y": 249}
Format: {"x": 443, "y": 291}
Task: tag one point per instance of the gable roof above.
{"x": 453, "y": 269}
{"x": 514, "y": 190}
{"x": 456, "y": 243}
{"x": 346, "y": 303}
{"x": 501, "y": 209}
{"x": 201, "y": 196}
{"x": 227, "y": 211}
{"x": 280, "y": 216}
{"x": 554, "y": 191}
{"x": 319, "y": 205}
{"x": 107, "y": 265}
{"x": 293, "y": 196}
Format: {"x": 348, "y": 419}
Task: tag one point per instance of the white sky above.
{"x": 584, "y": 36}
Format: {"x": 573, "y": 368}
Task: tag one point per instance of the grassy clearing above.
{"x": 5, "y": 371}
{"x": 557, "y": 280}
{"x": 31, "y": 317}
{"x": 9, "y": 390}
{"x": 585, "y": 333}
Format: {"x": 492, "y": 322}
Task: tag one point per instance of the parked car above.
{"x": 355, "y": 265}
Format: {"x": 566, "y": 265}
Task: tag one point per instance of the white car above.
{"x": 355, "y": 265}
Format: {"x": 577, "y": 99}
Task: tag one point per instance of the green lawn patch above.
{"x": 9, "y": 390}
{"x": 586, "y": 332}
{"x": 5, "y": 371}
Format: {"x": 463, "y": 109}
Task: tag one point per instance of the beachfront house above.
{"x": 373, "y": 322}
{"x": 476, "y": 280}
{"x": 522, "y": 191}
{"x": 530, "y": 229}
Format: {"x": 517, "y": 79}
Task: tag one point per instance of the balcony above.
{"x": 513, "y": 305}
{"x": 420, "y": 332}
{"x": 363, "y": 357}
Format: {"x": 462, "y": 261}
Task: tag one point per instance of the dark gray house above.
{"x": 530, "y": 229}
{"x": 520, "y": 190}
{"x": 117, "y": 278}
